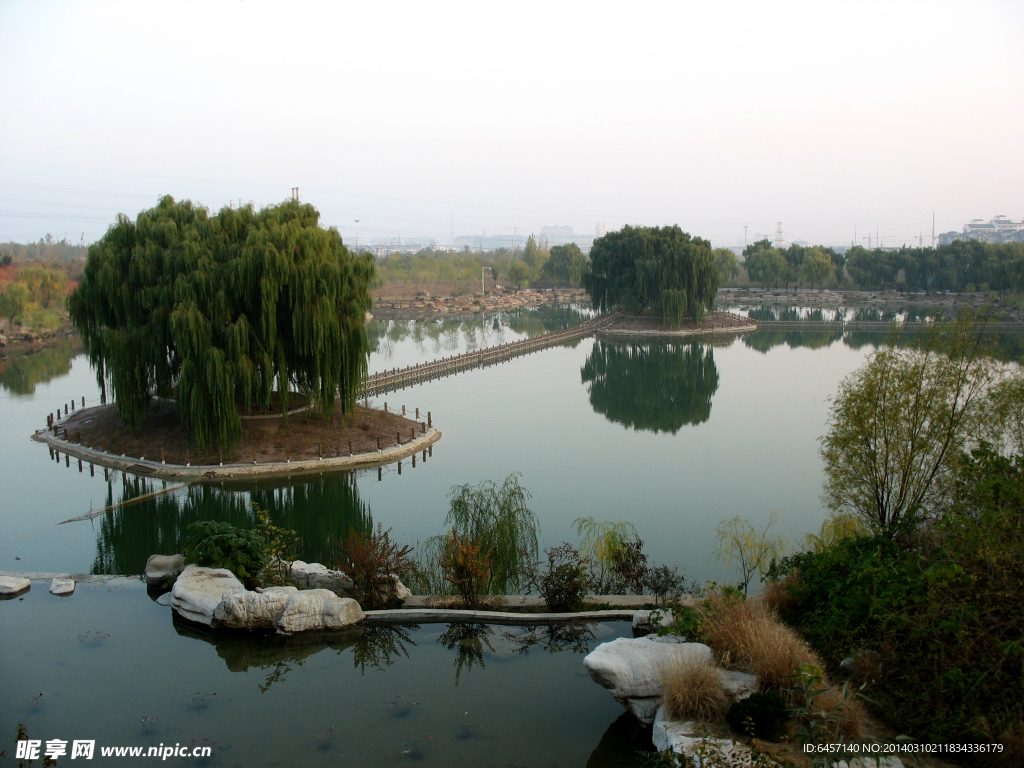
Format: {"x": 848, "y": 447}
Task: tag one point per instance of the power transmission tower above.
{"x": 778, "y": 235}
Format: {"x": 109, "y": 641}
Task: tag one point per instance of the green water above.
{"x": 109, "y": 665}
{"x": 672, "y": 437}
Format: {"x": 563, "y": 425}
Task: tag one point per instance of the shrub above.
{"x": 693, "y": 691}
{"x": 761, "y": 715}
{"x": 614, "y": 553}
{"x": 565, "y": 582}
{"x": 214, "y": 544}
{"x": 666, "y": 584}
{"x": 371, "y": 559}
{"x": 278, "y": 548}
{"x": 466, "y": 565}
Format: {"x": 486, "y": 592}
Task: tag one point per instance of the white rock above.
{"x": 160, "y": 567}
{"x": 252, "y": 610}
{"x": 685, "y": 739}
{"x": 13, "y": 585}
{"x": 315, "y": 609}
{"x": 398, "y": 590}
{"x": 633, "y": 667}
{"x": 335, "y": 581}
{"x": 164, "y": 600}
{"x": 62, "y": 587}
{"x": 198, "y": 591}
{"x": 643, "y": 708}
{"x": 738, "y": 685}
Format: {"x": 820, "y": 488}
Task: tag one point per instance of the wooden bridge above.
{"x": 399, "y": 378}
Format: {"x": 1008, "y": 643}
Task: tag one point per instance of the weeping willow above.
{"x": 659, "y": 268}
{"x": 220, "y": 311}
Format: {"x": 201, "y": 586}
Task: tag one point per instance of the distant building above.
{"x": 600, "y": 230}
{"x": 999, "y": 229}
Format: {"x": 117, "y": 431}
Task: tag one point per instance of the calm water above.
{"x": 672, "y": 437}
{"x": 109, "y": 664}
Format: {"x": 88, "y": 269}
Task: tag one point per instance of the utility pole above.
{"x": 933, "y": 229}
{"x": 357, "y": 235}
{"x": 745, "y": 236}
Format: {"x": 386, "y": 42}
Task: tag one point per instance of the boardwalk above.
{"x": 399, "y": 378}
{"x": 876, "y": 326}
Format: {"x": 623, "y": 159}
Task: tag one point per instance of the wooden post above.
{"x": 83, "y": 402}
{"x": 403, "y": 410}
{"x": 414, "y": 461}
{"x": 412, "y": 433}
{"x": 378, "y": 443}
{"x": 398, "y": 438}
{"x": 79, "y": 465}
{"x": 385, "y": 406}
{"x": 399, "y": 467}
{"x": 423, "y": 427}
{"x": 72, "y": 405}
{"x": 349, "y": 447}
{"x": 380, "y": 474}
{"x": 428, "y": 419}
{"x": 288, "y": 455}
{"x": 417, "y": 414}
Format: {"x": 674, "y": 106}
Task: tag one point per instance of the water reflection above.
{"x": 468, "y": 641}
{"x": 471, "y": 332}
{"x": 553, "y": 638}
{"x": 321, "y": 510}
{"x": 657, "y": 386}
{"x": 20, "y": 373}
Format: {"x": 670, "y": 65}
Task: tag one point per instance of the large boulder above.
{"x": 11, "y": 586}
{"x": 198, "y": 591}
{"x": 632, "y": 669}
{"x": 62, "y": 587}
{"x": 162, "y": 567}
{"x": 252, "y": 610}
{"x": 684, "y": 738}
{"x": 317, "y": 609}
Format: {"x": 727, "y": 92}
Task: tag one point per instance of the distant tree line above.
{"x": 966, "y": 266}
{"x": 814, "y": 266}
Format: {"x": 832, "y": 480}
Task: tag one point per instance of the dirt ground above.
{"x": 400, "y": 291}
{"x": 305, "y": 436}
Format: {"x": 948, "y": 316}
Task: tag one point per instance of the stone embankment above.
{"x": 826, "y": 299}
{"x": 475, "y": 304}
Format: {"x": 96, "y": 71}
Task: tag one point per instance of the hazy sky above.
{"x": 419, "y": 118}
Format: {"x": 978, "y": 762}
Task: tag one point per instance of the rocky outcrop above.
{"x": 62, "y": 587}
{"x": 685, "y": 738}
{"x": 12, "y": 586}
{"x": 315, "y": 609}
{"x": 317, "y": 576}
{"x": 632, "y": 669}
{"x": 252, "y": 610}
{"x": 159, "y": 568}
{"x": 198, "y": 591}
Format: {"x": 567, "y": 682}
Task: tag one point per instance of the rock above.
{"x": 738, "y": 685}
{"x": 198, "y": 591}
{"x": 643, "y": 708}
{"x": 161, "y": 567}
{"x": 398, "y": 590}
{"x": 315, "y": 609}
{"x": 317, "y": 576}
{"x": 632, "y": 667}
{"x": 252, "y": 610}
{"x": 642, "y": 624}
{"x": 685, "y": 739}
{"x": 62, "y": 587}
{"x": 164, "y": 600}
{"x": 13, "y": 585}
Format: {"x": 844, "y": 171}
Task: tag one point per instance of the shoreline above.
{"x": 199, "y": 472}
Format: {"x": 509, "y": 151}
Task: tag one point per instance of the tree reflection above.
{"x": 320, "y": 509}
{"x": 468, "y": 641}
{"x": 553, "y": 638}
{"x": 660, "y": 386}
{"x": 19, "y": 374}
{"x": 380, "y": 647}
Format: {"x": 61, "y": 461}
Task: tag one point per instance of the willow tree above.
{"x": 658, "y": 268}
{"x": 219, "y": 311}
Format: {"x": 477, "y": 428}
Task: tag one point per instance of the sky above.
{"x": 422, "y": 120}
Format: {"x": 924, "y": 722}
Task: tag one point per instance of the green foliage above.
{"x": 278, "y": 548}
{"x": 13, "y": 300}
{"x": 665, "y": 583}
{"x": 897, "y": 424}
{"x": 727, "y": 264}
{"x": 762, "y": 715}
{"x": 750, "y": 548}
{"x": 565, "y": 581}
{"x": 817, "y": 722}
{"x": 659, "y": 387}
{"x": 46, "y": 287}
{"x": 662, "y": 268}
{"x": 684, "y": 622}
{"x": 609, "y": 549}
{"x": 19, "y": 374}
{"x": 214, "y": 544}
{"x": 943, "y": 613}
{"x": 567, "y": 264}
{"x": 497, "y": 520}
{"x": 954, "y": 267}
{"x": 219, "y": 310}
{"x": 371, "y": 559}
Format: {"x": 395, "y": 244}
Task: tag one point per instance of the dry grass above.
{"x": 693, "y": 691}
{"x": 748, "y": 634}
